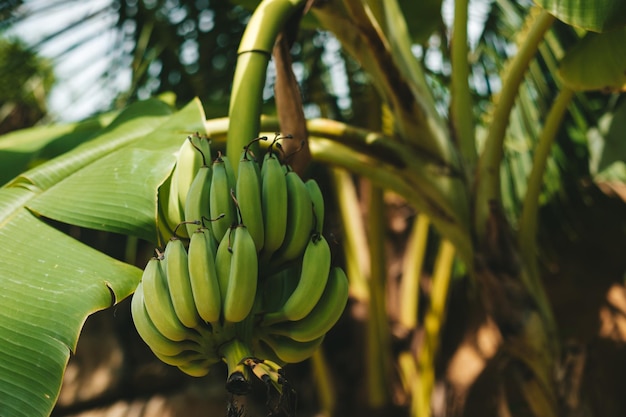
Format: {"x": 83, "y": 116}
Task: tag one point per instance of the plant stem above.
{"x": 411, "y": 271}
{"x": 254, "y": 51}
{"x": 528, "y": 220}
{"x": 378, "y": 346}
{"x": 488, "y": 185}
{"x": 461, "y": 114}
{"x": 433, "y": 322}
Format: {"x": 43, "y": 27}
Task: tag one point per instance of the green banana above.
{"x": 248, "y": 194}
{"x": 159, "y": 304}
{"x": 290, "y": 351}
{"x": 198, "y": 200}
{"x": 203, "y": 276}
{"x": 197, "y": 368}
{"x": 317, "y": 198}
{"x": 221, "y": 202}
{"x": 242, "y": 281}
{"x": 149, "y": 333}
{"x": 299, "y": 220}
{"x": 182, "y": 358}
{"x": 188, "y": 162}
{"x": 273, "y": 203}
{"x": 179, "y": 283}
{"x": 313, "y": 277}
{"x": 223, "y": 262}
{"x": 323, "y": 317}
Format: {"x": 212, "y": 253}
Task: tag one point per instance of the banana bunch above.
{"x": 245, "y": 276}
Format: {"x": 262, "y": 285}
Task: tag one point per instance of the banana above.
{"x": 198, "y": 200}
{"x": 188, "y": 162}
{"x": 248, "y": 194}
{"x": 182, "y": 358}
{"x": 223, "y": 258}
{"x": 299, "y": 220}
{"x": 203, "y": 276}
{"x": 323, "y": 317}
{"x": 273, "y": 203}
{"x": 290, "y": 351}
{"x": 149, "y": 333}
{"x": 313, "y": 277}
{"x": 179, "y": 283}
{"x": 221, "y": 202}
{"x": 202, "y": 144}
{"x": 197, "y": 368}
{"x": 317, "y": 198}
{"x": 242, "y": 281}
{"x": 169, "y": 213}
{"x": 159, "y": 304}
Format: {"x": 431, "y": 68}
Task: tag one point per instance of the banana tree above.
{"x": 441, "y": 163}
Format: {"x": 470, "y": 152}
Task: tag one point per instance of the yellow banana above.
{"x": 159, "y": 304}
{"x": 299, "y": 220}
{"x": 273, "y": 203}
{"x": 179, "y": 283}
{"x": 149, "y": 333}
{"x": 313, "y": 277}
{"x": 203, "y": 276}
{"x": 323, "y": 317}
{"x": 248, "y": 194}
{"x": 221, "y": 202}
{"x": 318, "y": 204}
{"x": 290, "y": 351}
{"x": 242, "y": 281}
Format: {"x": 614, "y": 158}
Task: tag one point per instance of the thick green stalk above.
{"x": 461, "y": 106}
{"x": 254, "y": 52}
{"x": 488, "y": 181}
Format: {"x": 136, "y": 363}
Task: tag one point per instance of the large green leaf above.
{"x": 49, "y": 282}
{"x": 595, "y": 15}
{"x": 118, "y": 192}
{"x": 597, "y": 62}
{"x": 607, "y": 145}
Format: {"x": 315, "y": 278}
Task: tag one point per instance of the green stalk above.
{"x": 488, "y": 186}
{"x": 528, "y": 220}
{"x": 254, "y": 52}
{"x": 433, "y": 322}
{"x": 324, "y": 383}
{"x": 378, "y": 345}
{"x": 411, "y": 272}
{"x": 354, "y": 242}
{"x": 461, "y": 113}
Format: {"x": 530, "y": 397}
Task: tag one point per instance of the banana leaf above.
{"x": 49, "y": 282}
{"x": 594, "y": 15}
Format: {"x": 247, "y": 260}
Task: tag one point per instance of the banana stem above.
{"x": 528, "y": 221}
{"x": 254, "y": 52}
{"x": 433, "y": 322}
{"x": 233, "y": 353}
{"x": 354, "y": 242}
{"x": 323, "y": 378}
{"x": 488, "y": 186}
{"x": 411, "y": 272}
{"x": 378, "y": 345}
{"x": 461, "y": 114}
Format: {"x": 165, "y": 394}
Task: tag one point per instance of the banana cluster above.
{"x": 245, "y": 276}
